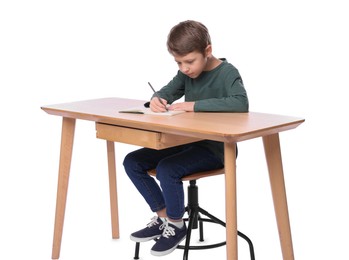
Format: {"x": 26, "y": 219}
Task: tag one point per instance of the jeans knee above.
{"x": 126, "y": 161}
{"x": 129, "y": 163}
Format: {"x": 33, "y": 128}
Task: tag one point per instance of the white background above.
{"x": 294, "y": 60}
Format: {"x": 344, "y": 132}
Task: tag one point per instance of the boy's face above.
{"x": 192, "y": 64}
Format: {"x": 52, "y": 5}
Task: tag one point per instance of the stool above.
{"x": 194, "y": 212}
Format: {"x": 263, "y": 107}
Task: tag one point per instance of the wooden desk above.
{"x": 159, "y": 132}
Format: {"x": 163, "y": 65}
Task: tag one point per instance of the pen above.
{"x": 156, "y": 94}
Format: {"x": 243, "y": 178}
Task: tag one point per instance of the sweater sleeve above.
{"x": 235, "y": 100}
{"x": 174, "y": 90}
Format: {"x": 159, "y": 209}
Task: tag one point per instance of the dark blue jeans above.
{"x": 171, "y": 165}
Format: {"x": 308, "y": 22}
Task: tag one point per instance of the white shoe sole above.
{"x": 143, "y": 239}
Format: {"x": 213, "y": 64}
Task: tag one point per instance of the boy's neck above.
{"x": 212, "y": 63}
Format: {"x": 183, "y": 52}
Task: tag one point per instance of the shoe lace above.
{"x": 168, "y": 231}
{"x": 153, "y": 222}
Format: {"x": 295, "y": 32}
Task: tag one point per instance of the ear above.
{"x": 208, "y": 51}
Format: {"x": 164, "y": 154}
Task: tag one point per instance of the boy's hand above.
{"x": 156, "y": 106}
{"x": 186, "y": 106}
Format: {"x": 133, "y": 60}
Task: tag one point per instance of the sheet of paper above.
{"x": 147, "y": 111}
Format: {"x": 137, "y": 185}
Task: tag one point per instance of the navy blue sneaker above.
{"x": 153, "y": 230}
{"x": 171, "y": 237}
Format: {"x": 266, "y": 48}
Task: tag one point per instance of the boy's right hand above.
{"x": 156, "y": 106}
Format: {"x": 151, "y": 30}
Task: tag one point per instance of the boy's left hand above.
{"x": 185, "y": 106}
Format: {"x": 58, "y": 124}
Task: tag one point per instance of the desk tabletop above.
{"x": 224, "y": 127}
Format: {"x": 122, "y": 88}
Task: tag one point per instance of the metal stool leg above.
{"x": 137, "y": 251}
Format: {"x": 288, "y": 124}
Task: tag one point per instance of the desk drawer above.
{"x": 140, "y": 137}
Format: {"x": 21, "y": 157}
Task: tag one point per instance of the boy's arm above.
{"x": 236, "y": 101}
{"x": 184, "y": 106}
{"x": 174, "y": 90}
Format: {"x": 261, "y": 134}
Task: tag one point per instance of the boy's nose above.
{"x": 186, "y": 69}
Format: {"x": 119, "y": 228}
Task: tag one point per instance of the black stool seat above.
{"x": 195, "y": 220}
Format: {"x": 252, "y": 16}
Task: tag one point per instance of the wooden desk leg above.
{"x": 230, "y": 200}
{"x": 113, "y": 190}
{"x": 67, "y": 140}
{"x": 277, "y": 182}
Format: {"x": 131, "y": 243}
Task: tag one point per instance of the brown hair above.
{"x": 188, "y": 36}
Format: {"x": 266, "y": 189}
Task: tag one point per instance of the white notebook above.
{"x": 147, "y": 111}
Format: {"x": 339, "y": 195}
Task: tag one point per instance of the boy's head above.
{"x": 188, "y": 36}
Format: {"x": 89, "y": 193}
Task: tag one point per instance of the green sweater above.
{"x": 218, "y": 90}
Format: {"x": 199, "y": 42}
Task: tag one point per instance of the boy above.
{"x": 208, "y": 84}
